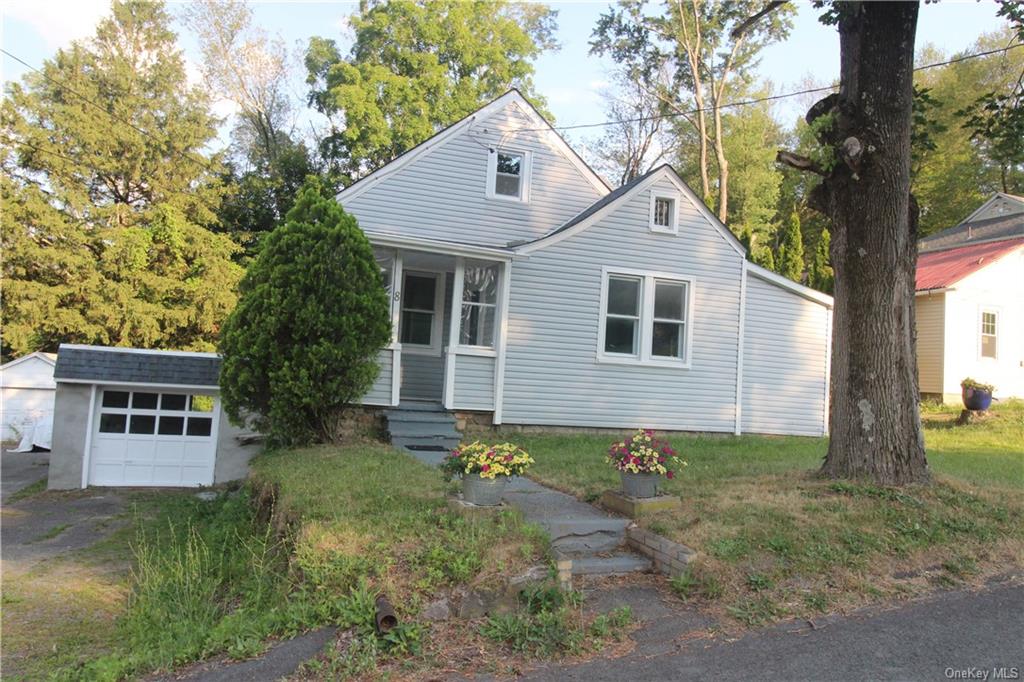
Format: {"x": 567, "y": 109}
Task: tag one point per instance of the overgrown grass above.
{"x": 775, "y": 540}
{"x": 312, "y": 540}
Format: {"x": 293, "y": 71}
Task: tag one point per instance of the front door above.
{"x": 420, "y": 331}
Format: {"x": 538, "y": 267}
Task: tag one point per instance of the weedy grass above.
{"x": 774, "y": 540}
{"x": 28, "y": 491}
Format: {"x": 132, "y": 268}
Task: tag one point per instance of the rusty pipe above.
{"x": 385, "y": 617}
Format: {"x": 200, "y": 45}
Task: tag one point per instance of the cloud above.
{"x": 57, "y": 22}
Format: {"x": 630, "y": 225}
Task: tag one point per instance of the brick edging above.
{"x": 668, "y": 557}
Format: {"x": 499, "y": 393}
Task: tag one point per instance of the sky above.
{"x": 570, "y": 79}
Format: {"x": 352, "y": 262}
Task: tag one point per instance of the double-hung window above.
{"x": 508, "y": 175}
{"x": 989, "y": 334}
{"x": 479, "y": 305}
{"x": 645, "y": 318}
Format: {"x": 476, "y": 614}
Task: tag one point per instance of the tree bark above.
{"x": 875, "y": 422}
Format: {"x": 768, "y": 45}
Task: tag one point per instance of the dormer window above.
{"x": 508, "y": 175}
{"x": 663, "y": 214}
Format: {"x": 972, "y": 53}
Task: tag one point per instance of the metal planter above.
{"x": 484, "y": 492}
{"x": 639, "y": 486}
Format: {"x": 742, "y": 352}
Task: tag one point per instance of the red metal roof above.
{"x": 940, "y": 269}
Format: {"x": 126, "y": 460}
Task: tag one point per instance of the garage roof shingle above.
{"x": 114, "y": 365}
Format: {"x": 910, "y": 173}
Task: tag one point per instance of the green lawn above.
{"x": 776, "y": 540}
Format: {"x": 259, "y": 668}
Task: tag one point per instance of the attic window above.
{"x": 508, "y": 175}
{"x": 663, "y": 214}
{"x": 989, "y": 334}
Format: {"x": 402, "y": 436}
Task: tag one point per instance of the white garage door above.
{"x": 153, "y": 438}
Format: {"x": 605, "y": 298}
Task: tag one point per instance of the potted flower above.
{"x": 976, "y": 395}
{"x": 642, "y": 460}
{"x": 485, "y": 470}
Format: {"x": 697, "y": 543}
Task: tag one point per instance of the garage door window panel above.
{"x": 113, "y": 422}
{"x": 171, "y": 426}
{"x": 199, "y": 426}
{"x": 173, "y": 401}
{"x": 115, "y": 399}
{"x": 144, "y": 401}
{"x": 142, "y": 424}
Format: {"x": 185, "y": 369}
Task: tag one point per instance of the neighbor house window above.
{"x": 508, "y": 175}
{"x": 645, "y": 318}
{"x": 989, "y": 333}
{"x": 663, "y": 214}
{"x": 479, "y": 305}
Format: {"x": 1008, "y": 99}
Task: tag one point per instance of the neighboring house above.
{"x": 26, "y": 393}
{"x": 131, "y": 417}
{"x": 970, "y": 303}
{"x": 525, "y": 289}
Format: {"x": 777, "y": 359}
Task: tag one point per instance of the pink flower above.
{"x": 669, "y": 474}
{"x": 485, "y": 468}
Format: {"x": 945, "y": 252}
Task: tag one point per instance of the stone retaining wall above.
{"x": 668, "y": 557}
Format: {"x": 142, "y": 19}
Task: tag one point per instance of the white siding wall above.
{"x": 474, "y": 383}
{"x": 380, "y": 393}
{"x": 442, "y": 194}
{"x": 1000, "y": 286}
{"x": 552, "y": 376}
{"x": 785, "y": 351}
{"x": 27, "y": 393}
{"x": 929, "y": 314}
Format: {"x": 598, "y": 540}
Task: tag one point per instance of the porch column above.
{"x": 396, "y": 311}
{"x": 500, "y": 340}
{"x": 454, "y": 332}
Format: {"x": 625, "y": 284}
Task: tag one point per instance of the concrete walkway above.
{"x": 593, "y": 539}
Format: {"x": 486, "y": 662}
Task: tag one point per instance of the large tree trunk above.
{"x": 875, "y": 423}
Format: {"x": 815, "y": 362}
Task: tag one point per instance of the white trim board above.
{"x": 149, "y": 351}
{"x": 24, "y": 358}
{"x": 784, "y": 283}
{"x": 513, "y": 96}
{"x": 665, "y": 172}
{"x": 397, "y": 241}
{"x": 108, "y": 382}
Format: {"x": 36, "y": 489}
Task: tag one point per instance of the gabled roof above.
{"x": 975, "y": 230}
{"x": 513, "y": 96}
{"x": 103, "y": 364}
{"x": 603, "y": 206}
{"x": 49, "y": 358}
{"x": 941, "y": 269}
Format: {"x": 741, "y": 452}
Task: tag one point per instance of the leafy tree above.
{"x": 820, "y": 275}
{"x": 417, "y": 66}
{"x": 241, "y": 63}
{"x": 313, "y": 314}
{"x": 637, "y": 141}
{"x": 996, "y": 119}
{"x": 765, "y": 257}
{"x": 107, "y": 197}
{"x": 958, "y": 173}
{"x": 791, "y": 250}
{"x": 691, "y": 56}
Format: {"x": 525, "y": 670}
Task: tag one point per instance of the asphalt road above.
{"x": 941, "y": 638}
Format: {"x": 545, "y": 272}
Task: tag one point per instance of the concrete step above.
{"x": 585, "y": 537}
{"x": 422, "y": 430}
{"x": 613, "y": 564}
{"x": 417, "y": 406}
{"x": 446, "y": 444}
{"x": 403, "y": 416}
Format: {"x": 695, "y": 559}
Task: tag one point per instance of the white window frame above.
{"x": 646, "y": 329}
{"x": 673, "y": 218}
{"x": 981, "y": 332}
{"x": 477, "y": 349}
{"x": 437, "y": 326}
{"x": 526, "y": 172}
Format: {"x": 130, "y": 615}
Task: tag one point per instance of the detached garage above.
{"x": 133, "y": 417}
{"x": 26, "y": 395}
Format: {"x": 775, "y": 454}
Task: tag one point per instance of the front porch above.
{"x": 449, "y": 306}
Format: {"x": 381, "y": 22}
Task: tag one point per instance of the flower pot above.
{"x": 976, "y": 399}
{"x": 639, "y": 485}
{"x": 485, "y": 492}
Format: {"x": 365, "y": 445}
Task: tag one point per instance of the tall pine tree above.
{"x": 791, "y": 250}
{"x": 107, "y": 197}
{"x": 820, "y": 275}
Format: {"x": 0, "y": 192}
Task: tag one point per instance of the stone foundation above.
{"x": 359, "y": 422}
{"x": 472, "y": 422}
{"x": 668, "y": 557}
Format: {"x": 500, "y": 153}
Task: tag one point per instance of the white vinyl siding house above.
{"x": 568, "y": 304}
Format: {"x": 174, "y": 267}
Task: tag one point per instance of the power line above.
{"x": 769, "y": 98}
{"x": 64, "y": 86}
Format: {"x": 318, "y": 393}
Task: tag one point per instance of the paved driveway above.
{"x": 20, "y": 470}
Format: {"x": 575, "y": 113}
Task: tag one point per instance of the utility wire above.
{"x": 64, "y": 86}
{"x": 769, "y": 98}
